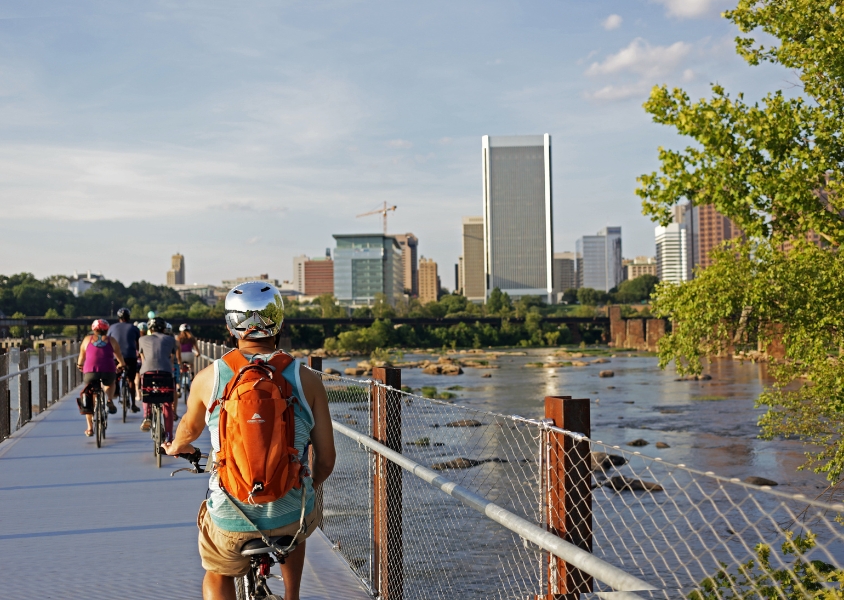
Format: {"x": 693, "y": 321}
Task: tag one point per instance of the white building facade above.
{"x": 517, "y": 219}
{"x": 672, "y": 253}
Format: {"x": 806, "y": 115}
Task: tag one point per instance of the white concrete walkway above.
{"x": 82, "y": 522}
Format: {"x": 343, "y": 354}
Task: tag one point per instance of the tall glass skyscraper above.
{"x": 366, "y": 265}
{"x": 518, "y": 237}
{"x": 598, "y": 260}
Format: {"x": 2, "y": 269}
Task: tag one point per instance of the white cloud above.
{"x": 612, "y": 22}
{"x": 643, "y": 59}
{"x": 690, "y": 9}
{"x": 688, "y": 75}
{"x": 400, "y": 144}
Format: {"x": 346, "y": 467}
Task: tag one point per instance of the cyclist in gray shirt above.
{"x": 157, "y": 350}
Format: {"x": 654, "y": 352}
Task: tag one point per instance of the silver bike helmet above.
{"x": 254, "y": 310}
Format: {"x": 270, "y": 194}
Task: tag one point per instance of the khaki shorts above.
{"x": 220, "y": 549}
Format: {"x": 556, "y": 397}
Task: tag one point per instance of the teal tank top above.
{"x": 283, "y": 511}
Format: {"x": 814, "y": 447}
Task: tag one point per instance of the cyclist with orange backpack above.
{"x": 263, "y": 410}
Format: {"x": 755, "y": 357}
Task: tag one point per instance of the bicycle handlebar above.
{"x": 193, "y": 458}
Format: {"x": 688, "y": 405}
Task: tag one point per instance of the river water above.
{"x": 708, "y": 425}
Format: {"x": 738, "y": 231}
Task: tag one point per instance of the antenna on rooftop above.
{"x": 379, "y": 211}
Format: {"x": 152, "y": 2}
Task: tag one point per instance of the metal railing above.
{"x": 32, "y": 380}
{"x": 431, "y": 499}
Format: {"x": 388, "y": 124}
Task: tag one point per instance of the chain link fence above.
{"x": 684, "y": 532}
{"x": 678, "y": 532}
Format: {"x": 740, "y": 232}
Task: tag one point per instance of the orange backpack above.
{"x": 257, "y": 462}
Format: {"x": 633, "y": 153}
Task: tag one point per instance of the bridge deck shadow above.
{"x": 82, "y": 522}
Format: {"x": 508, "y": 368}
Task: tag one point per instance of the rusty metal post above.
{"x": 5, "y": 404}
{"x": 387, "y": 562}
{"x": 42, "y": 378}
{"x": 24, "y": 388}
{"x": 315, "y": 362}
{"x": 65, "y": 372}
{"x": 54, "y": 374}
{"x": 569, "y": 494}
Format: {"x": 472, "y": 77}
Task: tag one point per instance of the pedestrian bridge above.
{"x": 428, "y": 500}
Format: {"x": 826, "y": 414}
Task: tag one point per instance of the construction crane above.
{"x": 379, "y": 211}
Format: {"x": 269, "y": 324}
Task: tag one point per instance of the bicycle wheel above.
{"x": 98, "y": 418}
{"x": 159, "y": 434}
{"x": 186, "y": 386}
{"x": 124, "y": 396}
{"x": 241, "y": 585}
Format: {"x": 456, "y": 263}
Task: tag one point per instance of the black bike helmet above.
{"x": 157, "y": 324}
{"x": 123, "y": 314}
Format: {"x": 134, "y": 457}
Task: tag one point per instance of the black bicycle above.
{"x": 157, "y": 388}
{"x": 156, "y": 431}
{"x": 185, "y": 377}
{"x": 253, "y": 585}
{"x": 125, "y": 393}
{"x": 100, "y": 416}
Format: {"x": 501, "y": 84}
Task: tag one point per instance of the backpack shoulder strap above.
{"x": 292, "y": 375}
{"x": 235, "y": 360}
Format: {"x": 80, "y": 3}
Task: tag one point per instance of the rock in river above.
{"x": 464, "y": 423}
{"x": 602, "y": 461}
{"x": 639, "y": 442}
{"x": 457, "y": 463}
{"x": 662, "y": 445}
{"x": 760, "y": 481}
{"x": 606, "y": 373}
{"x": 621, "y": 484}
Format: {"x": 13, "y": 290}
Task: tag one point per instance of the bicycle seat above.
{"x": 257, "y": 546}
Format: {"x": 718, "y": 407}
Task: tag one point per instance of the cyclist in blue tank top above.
{"x": 254, "y": 314}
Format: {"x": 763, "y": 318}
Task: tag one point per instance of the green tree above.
{"x": 636, "y": 290}
{"x": 498, "y": 302}
{"x": 591, "y": 297}
{"x": 774, "y": 167}
{"x": 570, "y": 296}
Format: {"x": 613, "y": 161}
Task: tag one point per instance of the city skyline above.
{"x": 229, "y": 123}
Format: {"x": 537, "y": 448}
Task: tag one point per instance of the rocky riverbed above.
{"x": 708, "y": 423}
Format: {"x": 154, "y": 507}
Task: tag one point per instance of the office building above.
{"x": 319, "y": 276}
{"x": 641, "y": 265}
{"x": 299, "y": 273}
{"x": 672, "y": 253}
{"x": 409, "y": 244}
{"x": 706, "y": 230}
{"x": 565, "y": 276}
{"x": 471, "y": 266}
{"x": 598, "y": 260}
{"x": 518, "y": 237}
{"x": 313, "y": 276}
{"x": 428, "y": 281}
{"x": 176, "y": 274}
{"x": 366, "y": 265}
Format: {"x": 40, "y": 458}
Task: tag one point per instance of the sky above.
{"x": 244, "y": 134}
